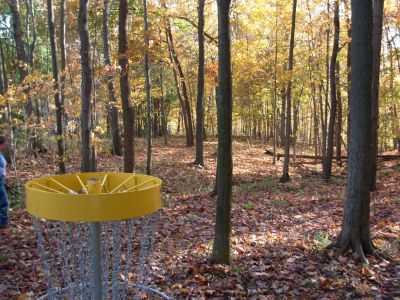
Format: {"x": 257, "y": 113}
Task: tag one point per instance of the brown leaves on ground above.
{"x": 278, "y": 237}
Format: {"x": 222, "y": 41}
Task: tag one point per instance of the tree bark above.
{"x": 112, "y": 101}
{"x": 127, "y": 113}
{"x": 221, "y": 247}
{"x": 57, "y": 99}
{"x": 86, "y": 85}
{"x": 327, "y": 165}
{"x": 148, "y": 95}
{"x": 285, "y": 176}
{"x": 200, "y": 87}
{"x": 355, "y": 233}
{"x": 376, "y": 56}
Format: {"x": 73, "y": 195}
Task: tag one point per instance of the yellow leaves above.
{"x": 99, "y": 130}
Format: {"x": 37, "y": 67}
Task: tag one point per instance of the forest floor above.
{"x": 278, "y": 237}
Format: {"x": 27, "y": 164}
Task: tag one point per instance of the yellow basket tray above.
{"x": 93, "y": 197}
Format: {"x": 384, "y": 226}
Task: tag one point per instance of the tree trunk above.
{"x": 20, "y": 49}
{"x": 2, "y": 80}
{"x": 187, "y": 112}
{"x": 327, "y": 165}
{"x": 164, "y": 119}
{"x": 63, "y": 65}
{"x": 315, "y": 117}
{"x": 127, "y": 113}
{"x": 31, "y": 46}
{"x": 355, "y": 233}
{"x": 285, "y": 176}
{"x": 148, "y": 96}
{"x": 200, "y": 87}
{"x": 324, "y": 118}
{"x": 179, "y": 95}
{"x": 3, "y": 68}
{"x": 283, "y": 118}
{"x": 57, "y": 99}
{"x": 376, "y": 46}
{"x": 348, "y": 62}
{"x": 112, "y": 101}
{"x": 275, "y": 97}
{"x": 221, "y": 247}
{"x": 339, "y": 117}
{"x": 86, "y": 85}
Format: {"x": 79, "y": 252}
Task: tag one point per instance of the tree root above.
{"x": 361, "y": 249}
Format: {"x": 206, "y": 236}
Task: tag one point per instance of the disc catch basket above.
{"x": 95, "y": 234}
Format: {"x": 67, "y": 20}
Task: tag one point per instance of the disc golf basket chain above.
{"x": 96, "y": 240}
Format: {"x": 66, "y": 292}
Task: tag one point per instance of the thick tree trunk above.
{"x": 86, "y": 85}
{"x": 376, "y": 44}
{"x": 327, "y": 165}
{"x": 221, "y": 247}
{"x": 285, "y": 174}
{"x": 200, "y": 87}
{"x": 148, "y": 96}
{"x": 57, "y": 99}
{"x": 355, "y": 233}
{"x": 127, "y": 112}
{"x": 112, "y": 101}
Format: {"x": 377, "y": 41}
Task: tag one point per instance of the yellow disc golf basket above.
{"x": 95, "y": 234}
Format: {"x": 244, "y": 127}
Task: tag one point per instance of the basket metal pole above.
{"x": 96, "y": 260}
{"x": 94, "y": 187}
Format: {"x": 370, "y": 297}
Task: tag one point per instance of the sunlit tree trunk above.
{"x": 56, "y": 77}
{"x": 200, "y": 87}
{"x": 285, "y": 174}
{"x": 327, "y": 164}
{"x": 86, "y": 85}
{"x": 112, "y": 101}
{"x": 376, "y": 44}
{"x": 355, "y": 233}
{"x": 221, "y": 246}
{"x": 127, "y": 112}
